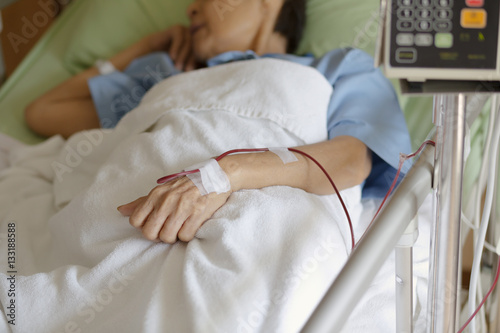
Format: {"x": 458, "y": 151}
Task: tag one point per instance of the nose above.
{"x": 193, "y": 10}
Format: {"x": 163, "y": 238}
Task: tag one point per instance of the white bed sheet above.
{"x": 7, "y": 144}
{"x": 84, "y": 267}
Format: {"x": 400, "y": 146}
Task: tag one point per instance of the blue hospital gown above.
{"x": 363, "y": 104}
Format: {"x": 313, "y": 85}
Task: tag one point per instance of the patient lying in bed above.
{"x": 256, "y": 260}
{"x": 366, "y": 129}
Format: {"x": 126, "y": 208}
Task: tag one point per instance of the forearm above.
{"x": 76, "y": 87}
{"x": 346, "y": 159}
{"x": 68, "y": 108}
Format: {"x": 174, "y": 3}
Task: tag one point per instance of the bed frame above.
{"x": 440, "y": 169}
{"x": 437, "y": 169}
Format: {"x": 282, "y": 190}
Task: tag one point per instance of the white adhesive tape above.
{"x": 285, "y": 155}
{"x": 211, "y": 178}
{"x": 104, "y": 66}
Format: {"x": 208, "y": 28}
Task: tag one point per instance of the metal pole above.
{"x": 404, "y": 278}
{"x": 374, "y": 248}
{"x": 445, "y": 241}
{"x": 494, "y": 316}
{"x": 404, "y": 290}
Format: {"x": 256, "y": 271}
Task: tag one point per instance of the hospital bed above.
{"x": 91, "y": 29}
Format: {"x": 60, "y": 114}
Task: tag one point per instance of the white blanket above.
{"x": 7, "y": 144}
{"x": 260, "y": 264}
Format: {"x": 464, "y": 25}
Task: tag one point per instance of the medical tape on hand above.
{"x": 283, "y": 153}
{"x": 211, "y": 178}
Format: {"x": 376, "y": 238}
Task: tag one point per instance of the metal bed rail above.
{"x": 438, "y": 168}
{"x": 374, "y": 248}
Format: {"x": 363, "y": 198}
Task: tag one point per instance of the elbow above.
{"x": 33, "y": 116}
{"x": 361, "y": 164}
{"x": 30, "y": 113}
{"x": 366, "y": 165}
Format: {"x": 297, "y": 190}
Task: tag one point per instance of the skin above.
{"x": 176, "y": 210}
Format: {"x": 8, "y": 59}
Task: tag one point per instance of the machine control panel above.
{"x": 442, "y": 36}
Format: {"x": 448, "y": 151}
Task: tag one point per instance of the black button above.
{"x": 443, "y": 14}
{"x": 424, "y": 26}
{"x": 406, "y": 55}
{"x": 425, "y": 14}
{"x": 405, "y": 26}
{"x": 425, "y": 3}
{"x": 407, "y": 3}
{"x": 443, "y": 26}
{"x": 444, "y": 3}
{"x": 405, "y": 13}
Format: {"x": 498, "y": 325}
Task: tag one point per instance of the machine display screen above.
{"x": 444, "y": 33}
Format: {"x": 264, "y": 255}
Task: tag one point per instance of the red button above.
{"x": 475, "y": 3}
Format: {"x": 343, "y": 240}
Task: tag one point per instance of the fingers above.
{"x": 175, "y": 210}
{"x": 202, "y": 213}
{"x": 141, "y": 214}
{"x": 184, "y": 52}
{"x": 177, "y": 220}
{"x": 180, "y": 46}
{"x": 128, "y": 209}
{"x": 152, "y": 212}
{"x": 193, "y": 223}
{"x": 175, "y": 44}
{"x": 190, "y": 64}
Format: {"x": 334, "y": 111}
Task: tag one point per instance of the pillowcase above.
{"x": 92, "y": 29}
{"x": 340, "y": 23}
{"x": 104, "y": 27}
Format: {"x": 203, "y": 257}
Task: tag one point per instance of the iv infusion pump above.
{"x": 440, "y": 39}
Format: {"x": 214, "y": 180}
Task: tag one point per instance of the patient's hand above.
{"x": 177, "y": 42}
{"x": 174, "y": 210}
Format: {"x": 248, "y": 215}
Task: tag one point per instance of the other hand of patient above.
{"x": 177, "y": 42}
{"x": 174, "y": 210}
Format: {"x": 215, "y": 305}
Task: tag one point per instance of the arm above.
{"x": 346, "y": 159}
{"x": 68, "y": 108}
{"x": 177, "y": 210}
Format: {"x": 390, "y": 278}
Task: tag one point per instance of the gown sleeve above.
{"x": 117, "y": 93}
{"x": 364, "y": 105}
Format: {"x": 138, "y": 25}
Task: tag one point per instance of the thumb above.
{"x": 128, "y": 209}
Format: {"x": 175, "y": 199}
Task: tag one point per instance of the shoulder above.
{"x": 345, "y": 61}
{"x": 337, "y": 63}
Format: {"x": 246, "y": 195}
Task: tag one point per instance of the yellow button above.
{"x": 473, "y": 18}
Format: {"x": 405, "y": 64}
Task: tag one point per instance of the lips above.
{"x": 194, "y": 28}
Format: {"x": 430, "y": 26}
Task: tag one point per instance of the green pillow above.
{"x": 107, "y": 26}
{"x": 115, "y": 24}
{"x": 340, "y": 23}
{"x": 104, "y": 27}
{"x": 92, "y": 29}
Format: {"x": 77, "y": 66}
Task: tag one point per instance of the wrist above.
{"x": 104, "y": 66}
{"x": 259, "y": 170}
{"x": 125, "y": 57}
{"x": 232, "y": 167}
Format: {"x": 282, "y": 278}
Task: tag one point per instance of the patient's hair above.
{"x": 291, "y": 22}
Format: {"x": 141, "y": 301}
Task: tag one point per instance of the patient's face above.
{"x": 219, "y": 26}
